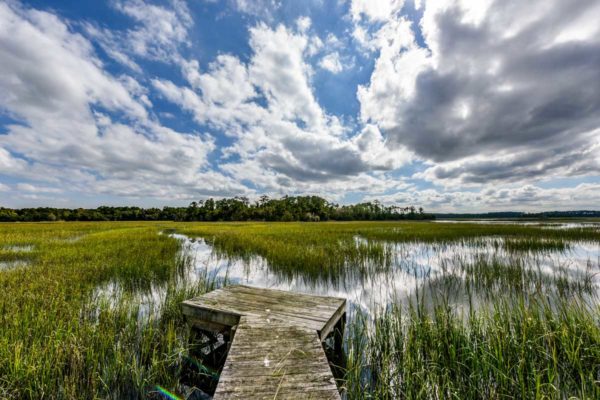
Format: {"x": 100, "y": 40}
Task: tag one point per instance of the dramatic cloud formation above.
{"x": 282, "y": 135}
{"x": 502, "y": 92}
{"x": 67, "y": 137}
{"x": 453, "y": 105}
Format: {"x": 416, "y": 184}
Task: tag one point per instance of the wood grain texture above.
{"x": 277, "y": 350}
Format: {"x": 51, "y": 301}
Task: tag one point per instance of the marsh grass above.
{"x": 59, "y": 341}
{"x": 536, "y": 245}
{"x": 517, "y": 348}
{"x": 491, "y": 325}
{"x": 95, "y": 312}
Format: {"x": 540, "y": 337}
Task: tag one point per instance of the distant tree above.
{"x": 287, "y": 208}
{"x": 7, "y": 215}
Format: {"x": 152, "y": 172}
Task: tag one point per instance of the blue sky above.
{"x": 449, "y": 105}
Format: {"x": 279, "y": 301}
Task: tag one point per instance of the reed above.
{"x": 517, "y": 348}
{"x": 92, "y": 310}
{"x": 60, "y": 340}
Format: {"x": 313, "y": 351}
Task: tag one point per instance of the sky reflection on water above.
{"x": 413, "y": 264}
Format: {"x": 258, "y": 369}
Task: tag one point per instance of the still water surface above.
{"x": 412, "y": 268}
{"x": 413, "y": 265}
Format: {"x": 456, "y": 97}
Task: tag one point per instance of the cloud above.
{"x": 331, "y": 62}
{"x": 281, "y": 134}
{"x": 524, "y": 198}
{"x": 110, "y": 42}
{"x": 157, "y": 33}
{"x": 10, "y": 164}
{"x": 71, "y": 73}
{"x": 258, "y": 8}
{"x": 27, "y": 187}
{"x": 279, "y": 69}
{"x": 159, "y": 30}
{"x": 369, "y": 17}
{"x": 82, "y": 127}
{"x": 380, "y": 10}
{"x": 505, "y": 90}
{"x": 576, "y": 158}
{"x": 303, "y": 23}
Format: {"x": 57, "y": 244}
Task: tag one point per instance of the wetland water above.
{"x": 17, "y": 253}
{"x": 543, "y": 224}
{"x": 468, "y": 272}
{"x": 412, "y": 267}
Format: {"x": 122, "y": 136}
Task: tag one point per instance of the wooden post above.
{"x": 338, "y": 335}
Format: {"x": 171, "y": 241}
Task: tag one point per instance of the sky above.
{"x": 455, "y": 106}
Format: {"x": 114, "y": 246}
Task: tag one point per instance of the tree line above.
{"x": 287, "y": 208}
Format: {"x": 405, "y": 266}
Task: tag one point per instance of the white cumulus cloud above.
{"x": 331, "y": 62}
{"x": 81, "y": 126}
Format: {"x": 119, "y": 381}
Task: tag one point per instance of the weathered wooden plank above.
{"x": 278, "y": 295}
{"x": 262, "y": 296}
{"x": 242, "y": 302}
{"x": 287, "y": 367}
{"x": 284, "y": 294}
{"x": 243, "y": 305}
{"x": 217, "y": 316}
{"x": 284, "y": 395}
{"x": 272, "y": 369}
{"x": 330, "y": 324}
{"x": 276, "y": 352}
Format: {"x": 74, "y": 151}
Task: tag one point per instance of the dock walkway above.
{"x": 276, "y": 351}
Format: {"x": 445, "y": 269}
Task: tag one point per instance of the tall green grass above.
{"x": 518, "y": 333}
{"x": 57, "y": 340}
{"x": 516, "y": 348}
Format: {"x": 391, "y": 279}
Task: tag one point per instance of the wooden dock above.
{"x": 276, "y": 349}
